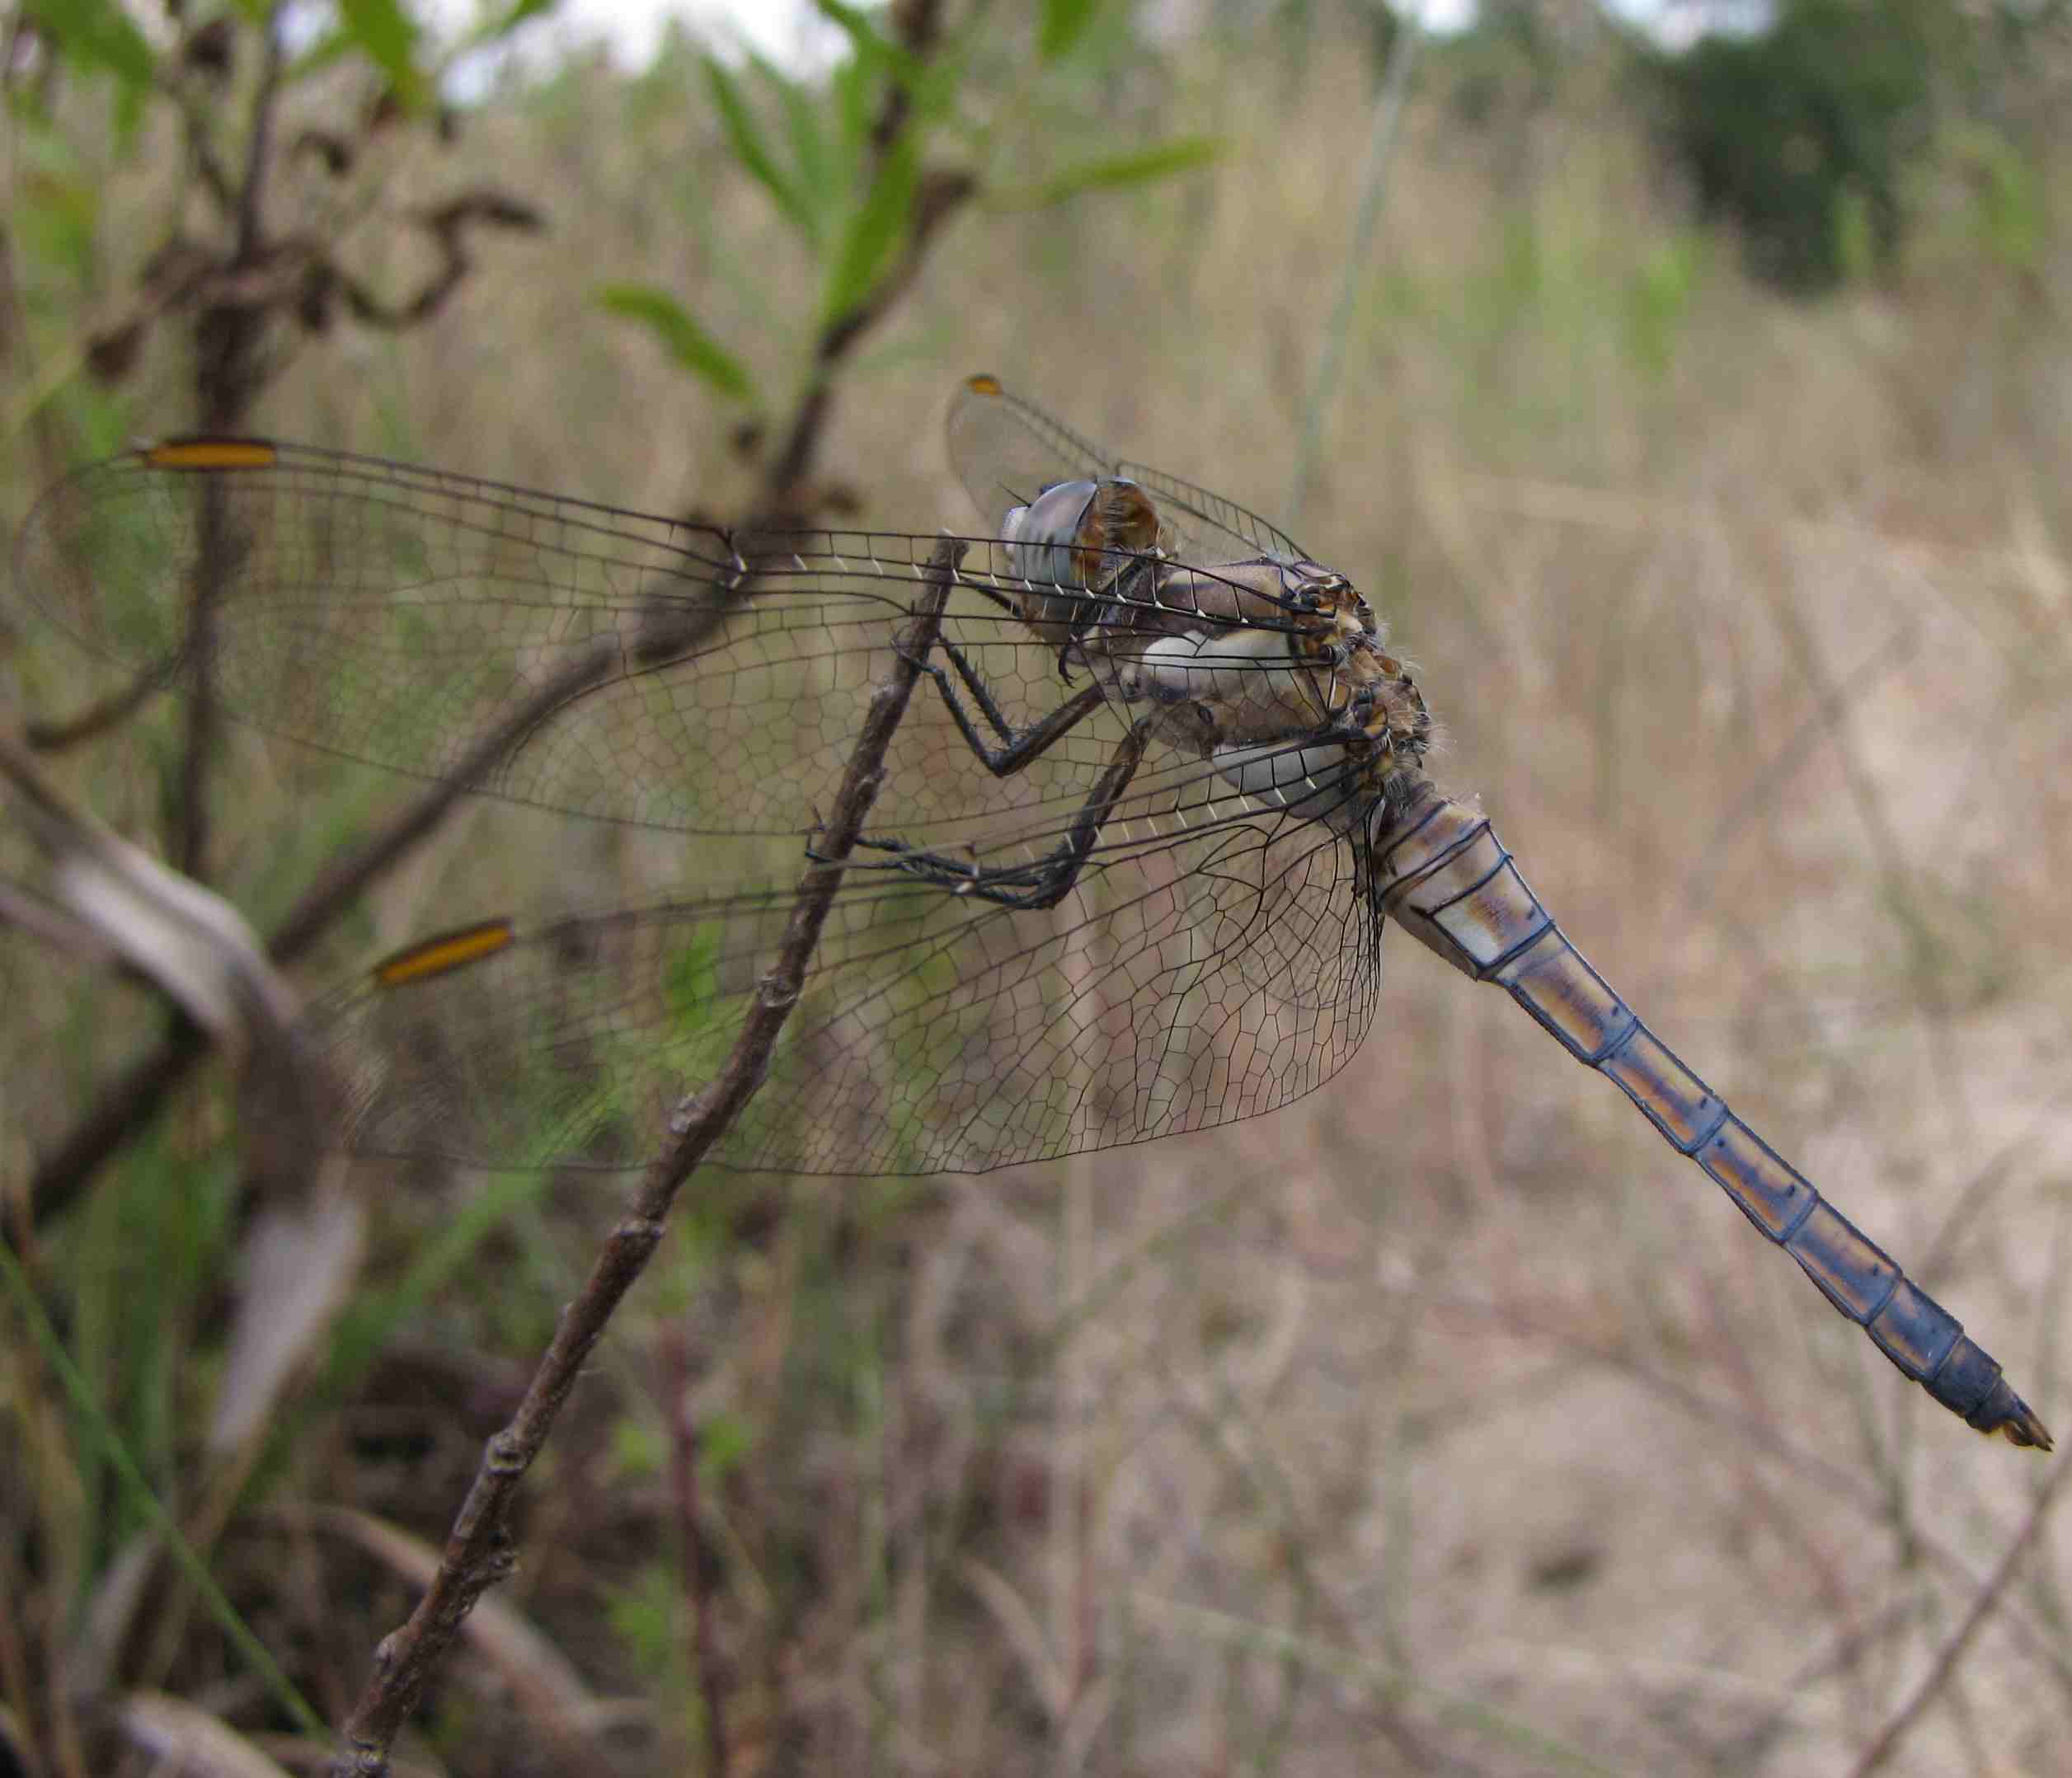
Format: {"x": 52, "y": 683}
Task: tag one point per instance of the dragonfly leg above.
{"x": 1043, "y": 882}
{"x": 1017, "y": 747}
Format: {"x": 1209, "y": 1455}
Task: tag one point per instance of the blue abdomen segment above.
{"x": 1443, "y": 874}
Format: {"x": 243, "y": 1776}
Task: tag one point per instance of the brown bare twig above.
{"x": 478, "y": 1550}
{"x": 941, "y": 196}
{"x": 227, "y": 378}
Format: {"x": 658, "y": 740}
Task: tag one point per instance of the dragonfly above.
{"x": 1128, "y": 874}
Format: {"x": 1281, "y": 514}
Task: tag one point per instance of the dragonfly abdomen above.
{"x": 1447, "y": 879}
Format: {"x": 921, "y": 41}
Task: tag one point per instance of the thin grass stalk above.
{"x": 1374, "y": 183}
{"x": 702, "y": 1656}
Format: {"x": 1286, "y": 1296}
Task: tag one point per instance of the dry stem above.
{"x": 478, "y": 1550}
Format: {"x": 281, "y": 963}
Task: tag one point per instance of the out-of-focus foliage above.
{"x": 1802, "y": 134}
{"x": 1815, "y": 136}
{"x": 261, "y": 246}
{"x": 856, "y": 160}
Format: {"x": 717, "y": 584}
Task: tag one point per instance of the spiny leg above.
{"x": 1043, "y": 882}
{"x": 1019, "y": 746}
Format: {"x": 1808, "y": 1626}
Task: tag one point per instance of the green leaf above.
{"x": 385, "y": 33}
{"x": 875, "y": 229}
{"x": 722, "y": 1441}
{"x": 1110, "y": 172}
{"x": 745, "y": 138}
{"x": 687, "y": 342}
{"x": 1063, "y": 23}
{"x": 638, "y": 1450}
{"x": 816, "y": 184}
{"x": 98, "y": 33}
{"x": 870, "y": 43}
{"x": 502, "y": 24}
{"x": 852, "y": 106}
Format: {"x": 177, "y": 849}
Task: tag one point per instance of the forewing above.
{"x": 1179, "y": 985}
{"x": 396, "y": 616}
{"x": 1006, "y": 450}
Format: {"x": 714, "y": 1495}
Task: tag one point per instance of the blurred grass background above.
{"x": 1446, "y": 1421}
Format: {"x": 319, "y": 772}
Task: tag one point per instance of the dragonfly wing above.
{"x": 395, "y": 616}
{"x": 1211, "y": 515}
{"x": 1178, "y": 985}
{"x": 1006, "y": 450}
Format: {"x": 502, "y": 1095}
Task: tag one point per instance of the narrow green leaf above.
{"x": 815, "y": 182}
{"x": 385, "y": 33}
{"x": 98, "y": 33}
{"x": 502, "y": 24}
{"x": 871, "y": 44}
{"x": 875, "y": 229}
{"x": 852, "y": 108}
{"x": 687, "y": 342}
{"x": 1063, "y": 23}
{"x": 1107, "y": 172}
{"x": 745, "y": 137}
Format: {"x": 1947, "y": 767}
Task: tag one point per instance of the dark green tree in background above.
{"x": 1813, "y": 136}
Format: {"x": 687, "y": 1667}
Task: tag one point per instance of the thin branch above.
{"x": 1943, "y": 1667}
{"x": 226, "y": 345}
{"x": 54, "y": 735}
{"x": 941, "y": 196}
{"x": 938, "y": 198}
{"x": 478, "y": 1550}
{"x": 251, "y": 187}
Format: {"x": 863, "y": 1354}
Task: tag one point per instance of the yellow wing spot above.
{"x": 212, "y": 453}
{"x": 983, "y": 384}
{"x": 448, "y": 951}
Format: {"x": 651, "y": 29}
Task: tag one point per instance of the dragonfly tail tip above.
{"x": 2006, "y": 1413}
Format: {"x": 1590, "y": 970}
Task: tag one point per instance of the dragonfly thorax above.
{"x": 1273, "y": 668}
{"x": 1277, "y": 671}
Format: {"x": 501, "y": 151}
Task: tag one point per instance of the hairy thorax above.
{"x": 1274, "y": 669}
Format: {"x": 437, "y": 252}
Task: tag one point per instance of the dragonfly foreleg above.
{"x": 1043, "y": 882}
{"x": 1017, "y": 747}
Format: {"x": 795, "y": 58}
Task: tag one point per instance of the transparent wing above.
{"x": 394, "y": 615}
{"x": 1006, "y": 450}
{"x": 1183, "y": 983}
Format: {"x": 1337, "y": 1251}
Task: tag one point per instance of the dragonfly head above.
{"x": 1060, "y": 537}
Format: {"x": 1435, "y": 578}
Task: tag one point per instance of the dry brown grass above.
{"x": 1447, "y": 1422}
